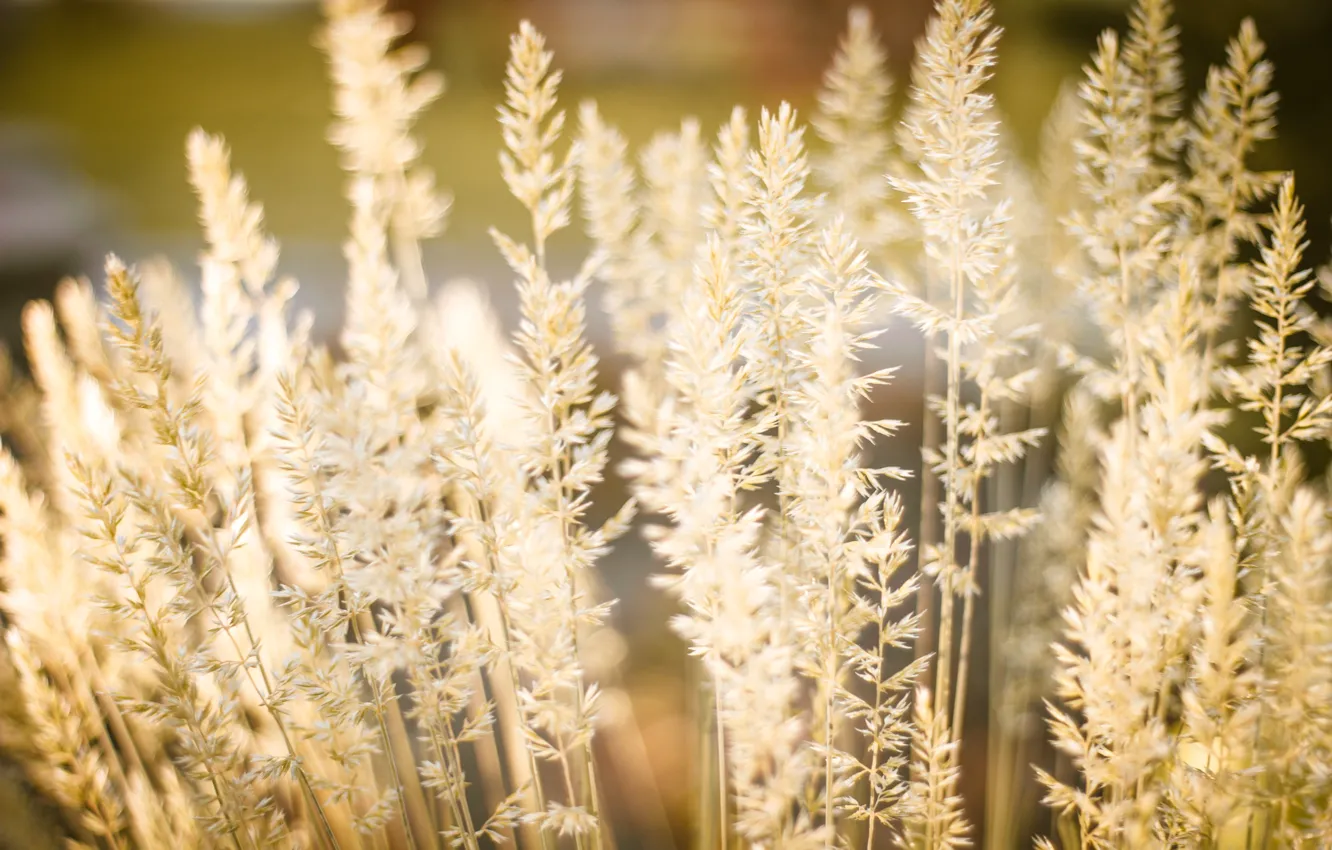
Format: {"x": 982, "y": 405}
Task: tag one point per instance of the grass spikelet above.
{"x": 851, "y": 121}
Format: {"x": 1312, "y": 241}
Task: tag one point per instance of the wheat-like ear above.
{"x": 887, "y": 731}
{"x": 1209, "y": 790}
{"x": 647, "y": 230}
{"x": 1143, "y": 556}
{"x": 675, "y": 188}
{"x": 732, "y": 595}
{"x": 950, "y": 121}
{"x": 1295, "y": 790}
{"x": 76, "y": 305}
{"x": 730, "y": 179}
{"x": 56, "y": 378}
{"x": 54, "y": 731}
{"x": 1235, "y": 112}
{"x": 1281, "y": 521}
{"x": 568, "y": 427}
{"x": 776, "y": 235}
{"x": 232, "y": 225}
{"x": 70, "y": 767}
{"x": 244, "y": 325}
{"x": 146, "y": 555}
{"x": 834, "y": 504}
{"x": 609, "y": 189}
{"x": 1280, "y": 367}
{"x": 531, "y": 125}
{"x": 182, "y": 507}
{"x": 379, "y": 92}
{"x": 851, "y": 121}
{"x": 1151, "y": 53}
{"x": 1058, "y": 192}
{"x": 239, "y": 312}
{"x": 935, "y": 820}
{"x": 1123, "y": 226}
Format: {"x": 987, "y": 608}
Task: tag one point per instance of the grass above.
{"x": 259, "y": 591}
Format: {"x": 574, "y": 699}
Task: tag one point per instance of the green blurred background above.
{"x": 96, "y": 99}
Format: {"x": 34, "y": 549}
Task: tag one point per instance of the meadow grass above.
{"x": 259, "y": 591}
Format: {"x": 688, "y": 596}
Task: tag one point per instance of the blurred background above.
{"x": 96, "y": 99}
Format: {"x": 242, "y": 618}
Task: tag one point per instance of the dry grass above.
{"x": 256, "y": 595}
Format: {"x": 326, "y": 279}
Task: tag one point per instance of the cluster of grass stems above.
{"x": 260, "y": 593}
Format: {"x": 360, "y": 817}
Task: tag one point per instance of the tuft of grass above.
{"x": 257, "y": 594}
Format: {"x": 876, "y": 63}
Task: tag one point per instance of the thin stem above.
{"x": 963, "y": 664}
{"x": 1273, "y": 417}
{"x": 953, "y": 419}
{"x": 1001, "y": 800}
{"x": 468, "y": 824}
{"x": 167, "y": 660}
{"x": 264, "y": 693}
{"x": 76, "y": 683}
{"x": 929, "y": 502}
{"x": 380, "y": 699}
{"x": 486, "y": 749}
{"x": 579, "y": 840}
{"x": 502, "y": 602}
{"x": 875, "y": 747}
{"x": 124, "y": 740}
{"x": 1129, "y": 369}
{"x": 544, "y": 370}
{"x": 969, "y": 587}
{"x": 335, "y": 566}
{"x": 830, "y": 686}
{"x": 192, "y": 463}
{"x": 723, "y": 830}
{"x": 445, "y": 758}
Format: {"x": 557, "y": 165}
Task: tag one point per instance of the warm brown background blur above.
{"x": 96, "y": 99}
